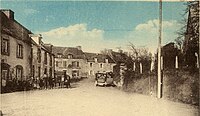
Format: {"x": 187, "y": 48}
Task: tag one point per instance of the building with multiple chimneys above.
{"x": 42, "y": 58}
{"x": 80, "y": 64}
{"x": 96, "y": 63}
{"x": 23, "y": 54}
{"x": 16, "y": 57}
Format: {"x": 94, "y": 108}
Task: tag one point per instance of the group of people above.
{"x": 12, "y": 85}
{"x": 50, "y": 83}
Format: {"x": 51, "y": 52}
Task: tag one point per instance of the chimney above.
{"x": 78, "y": 47}
{"x": 37, "y": 38}
{"x": 9, "y": 13}
{"x": 96, "y": 60}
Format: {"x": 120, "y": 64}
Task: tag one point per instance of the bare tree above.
{"x": 139, "y": 53}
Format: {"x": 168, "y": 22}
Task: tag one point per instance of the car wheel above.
{"x": 96, "y": 83}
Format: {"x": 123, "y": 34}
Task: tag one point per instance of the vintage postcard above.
{"x": 99, "y": 58}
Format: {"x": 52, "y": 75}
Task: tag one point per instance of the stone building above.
{"x": 71, "y": 60}
{"x": 15, "y": 48}
{"x": 43, "y": 58}
{"x": 98, "y": 63}
{"x": 79, "y": 64}
{"x": 169, "y": 54}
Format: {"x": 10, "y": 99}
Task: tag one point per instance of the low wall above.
{"x": 178, "y": 85}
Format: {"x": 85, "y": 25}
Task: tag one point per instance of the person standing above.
{"x": 68, "y": 81}
{"x": 46, "y": 81}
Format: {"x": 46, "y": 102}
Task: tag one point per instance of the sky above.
{"x": 96, "y": 25}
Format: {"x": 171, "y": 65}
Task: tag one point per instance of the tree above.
{"x": 140, "y": 55}
{"x": 188, "y": 37}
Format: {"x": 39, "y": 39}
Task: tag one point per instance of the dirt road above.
{"x": 84, "y": 99}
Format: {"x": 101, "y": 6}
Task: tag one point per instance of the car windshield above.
{"x": 100, "y": 75}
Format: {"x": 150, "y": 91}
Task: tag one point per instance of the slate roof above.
{"x": 90, "y": 57}
{"x": 14, "y": 28}
{"x": 65, "y": 51}
{"x": 118, "y": 57}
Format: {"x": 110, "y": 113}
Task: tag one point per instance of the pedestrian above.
{"x": 68, "y": 81}
{"x": 34, "y": 83}
{"x": 3, "y": 85}
{"x": 50, "y": 83}
{"x": 62, "y": 81}
{"x": 41, "y": 83}
{"x": 45, "y": 81}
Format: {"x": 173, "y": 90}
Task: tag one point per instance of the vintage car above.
{"x": 104, "y": 79}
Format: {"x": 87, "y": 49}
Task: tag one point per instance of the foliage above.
{"x": 139, "y": 53}
{"x": 178, "y": 85}
{"x": 188, "y": 39}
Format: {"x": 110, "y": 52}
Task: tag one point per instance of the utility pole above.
{"x": 199, "y": 60}
{"x": 159, "y": 50}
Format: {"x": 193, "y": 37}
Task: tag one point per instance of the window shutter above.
{"x": 22, "y": 50}
{"x": 8, "y": 47}
{"x": 17, "y": 50}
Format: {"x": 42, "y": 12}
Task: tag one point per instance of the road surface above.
{"x": 84, "y": 99}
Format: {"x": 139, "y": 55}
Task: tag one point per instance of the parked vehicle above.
{"x": 109, "y": 79}
{"x": 104, "y": 79}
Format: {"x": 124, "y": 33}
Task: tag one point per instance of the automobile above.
{"x": 104, "y": 79}
{"x": 109, "y": 79}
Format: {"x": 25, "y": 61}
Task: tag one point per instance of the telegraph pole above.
{"x": 199, "y": 61}
{"x": 159, "y": 50}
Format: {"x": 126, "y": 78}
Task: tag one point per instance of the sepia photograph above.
{"x": 99, "y": 58}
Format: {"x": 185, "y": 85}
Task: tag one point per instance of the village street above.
{"x": 84, "y": 99}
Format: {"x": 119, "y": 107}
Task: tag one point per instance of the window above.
{"x": 5, "y": 47}
{"x": 19, "y": 72}
{"x": 59, "y": 56}
{"x": 90, "y": 64}
{"x": 19, "y": 51}
{"x": 39, "y": 55}
{"x": 50, "y": 58}
{"x": 65, "y": 64}
{"x": 69, "y": 56}
{"x": 59, "y": 63}
{"x": 91, "y": 72}
{"x": 45, "y": 58}
{"x": 39, "y": 72}
{"x": 5, "y": 74}
{"x": 101, "y": 65}
{"x": 33, "y": 71}
{"x": 45, "y": 70}
{"x": 77, "y": 64}
{"x": 73, "y": 64}
{"x": 56, "y": 63}
{"x": 50, "y": 72}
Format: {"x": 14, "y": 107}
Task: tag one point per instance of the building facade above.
{"x": 79, "y": 64}
{"x": 15, "y": 48}
{"x": 71, "y": 60}
{"x": 98, "y": 63}
{"x": 43, "y": 58}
